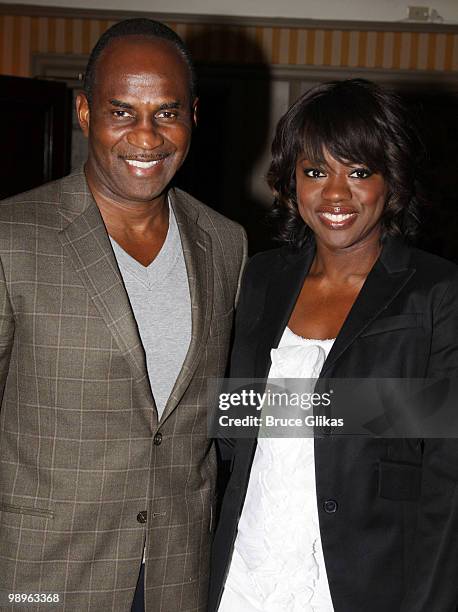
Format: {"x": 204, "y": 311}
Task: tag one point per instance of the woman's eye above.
{"x": 314, "y": 173}
{"x": 361, "y": 173}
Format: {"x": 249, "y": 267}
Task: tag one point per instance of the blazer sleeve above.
{"x": 6, "y": 330}
{"x": 433, "y": 584}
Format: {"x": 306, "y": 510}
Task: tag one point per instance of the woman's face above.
{"x": 342, "y": 204}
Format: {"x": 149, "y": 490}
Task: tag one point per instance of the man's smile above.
{"x": 143, "y": 164}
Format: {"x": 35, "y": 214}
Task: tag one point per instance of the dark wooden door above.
{"x": 36, "y": 133}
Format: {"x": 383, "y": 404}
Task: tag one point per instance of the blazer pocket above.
{"x": 27, "y": 510}
{"x": 399, "y": 481}
{"x": 393, "y": 323}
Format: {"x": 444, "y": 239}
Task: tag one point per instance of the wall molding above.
{"x": 227, "y": 20}
{"x": 402, "y": 78}
{"x": 70, "y": 69}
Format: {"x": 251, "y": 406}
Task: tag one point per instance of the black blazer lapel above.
{"x": 386, "y": 279}
{"x": 281, "y": 296}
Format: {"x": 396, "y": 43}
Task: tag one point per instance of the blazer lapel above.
{"x": 86, "y": 242}
{"x": 197, "y": 251}
{"x": 386, "y": 279}
{"x": 281, "y": 295}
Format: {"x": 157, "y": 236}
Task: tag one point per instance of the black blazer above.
{"x": 388, "y": 508}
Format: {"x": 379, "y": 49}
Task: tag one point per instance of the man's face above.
{"x": 140, "y": 120}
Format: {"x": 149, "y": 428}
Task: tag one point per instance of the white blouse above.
{"x": 277, "y": 563}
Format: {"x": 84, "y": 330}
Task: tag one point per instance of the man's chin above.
{"x": 138, "y": 190}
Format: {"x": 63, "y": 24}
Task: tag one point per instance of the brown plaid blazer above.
{"x": 81, "y": 450}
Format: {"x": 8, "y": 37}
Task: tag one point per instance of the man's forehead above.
{"x": 144, "y": 79}
{"x": 134, "y": 61}
{"x": 143, "y": 88}
{"x": 140, "y": 48}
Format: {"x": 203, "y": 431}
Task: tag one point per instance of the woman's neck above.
{"x": 345, "y": 265}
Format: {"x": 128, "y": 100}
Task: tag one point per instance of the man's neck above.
{"x": 140, "y": 228}
{"x": 130, "y": 217}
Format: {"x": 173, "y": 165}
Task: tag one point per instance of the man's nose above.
{"x": 145, "y": 135}
{"x": 336, "y": 189}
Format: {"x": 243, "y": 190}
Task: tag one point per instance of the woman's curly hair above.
{"x": 355, "y": 121}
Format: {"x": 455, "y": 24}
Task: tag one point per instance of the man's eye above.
{"x": 361, "y": 173}
{"x": 121, "y": 114}
{"x": 166, "y": 115}
{"x": 314, "y": 173}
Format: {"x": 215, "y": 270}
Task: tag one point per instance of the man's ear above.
{"x": 195, "y": 111}
{"x": 82, "y": 112}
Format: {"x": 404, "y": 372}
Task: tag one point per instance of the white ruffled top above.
{"x": 277, "y": 563}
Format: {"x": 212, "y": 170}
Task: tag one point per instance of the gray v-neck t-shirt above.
{"x": 161, "y": 303}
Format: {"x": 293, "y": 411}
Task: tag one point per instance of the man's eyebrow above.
{"x": 164, "y": 106}
{"x": 169, "y": 105}
{"x": 120, "y": 104}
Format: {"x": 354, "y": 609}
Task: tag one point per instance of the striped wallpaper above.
{"x": 21, "y": 36}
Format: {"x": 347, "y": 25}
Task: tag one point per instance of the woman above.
{"x": 355, "y": 524}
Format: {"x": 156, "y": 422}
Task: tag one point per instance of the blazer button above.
{"x": 330, "y": 506}
{"x": 157, "y": 439}
{"x": 142, "y": 516}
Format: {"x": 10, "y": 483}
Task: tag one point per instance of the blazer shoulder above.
{"x": 433, "y": 266}
{"x": 36, "y": 207}
{"x": 47, "y": 193}
{"x": 50, "y": 193}
{"x": 266, "y": 264}
{"x": 276, "y": 256}
{"x": 435, "y": 277}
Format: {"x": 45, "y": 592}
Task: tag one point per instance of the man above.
{"x": 116, "y": 297}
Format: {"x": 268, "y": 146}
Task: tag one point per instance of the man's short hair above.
{"x": 148, "y": 28}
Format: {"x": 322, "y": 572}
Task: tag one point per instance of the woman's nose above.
{"x": 336, "y": 189}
